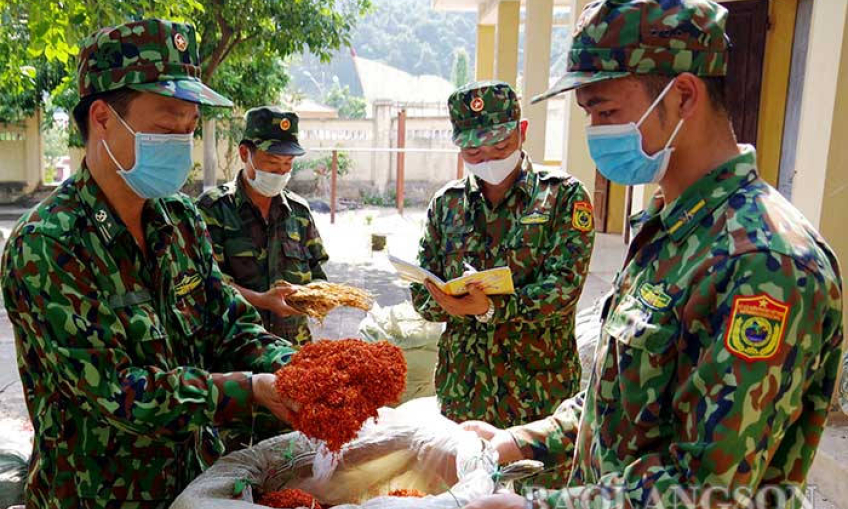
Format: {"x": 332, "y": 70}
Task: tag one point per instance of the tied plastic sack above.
{"x": 15, "y": 449}
{"x": 587, "y": 331}
{"x": 410, "y": 447}
{"x": 842, "y": 398}
{"x": 403, "y": 327}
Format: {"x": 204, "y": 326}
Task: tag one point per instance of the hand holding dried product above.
{"x": 265, "y": 393}
{"x": 318, "y": 299}
{"x": 276, "y": 299}
{"x": 339, "y": 385}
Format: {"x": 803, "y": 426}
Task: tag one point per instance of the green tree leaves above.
{"x": 246, "y": 39}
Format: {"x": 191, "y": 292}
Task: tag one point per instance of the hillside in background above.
{"x": 408, "y": 35}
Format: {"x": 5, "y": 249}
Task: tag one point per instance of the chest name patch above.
{"x": 187, "y": 285}
{"x": 535, "y": 218}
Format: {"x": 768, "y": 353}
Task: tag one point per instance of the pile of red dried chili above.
{"x": 407, "y": 493}
{"x": 340, "y": 384}
{"x": 289, "y": 499}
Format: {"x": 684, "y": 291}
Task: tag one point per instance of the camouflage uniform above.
{"x": 720, "y": 342}
{"x": 128, "y": 362}
{"x": 515, "y": 368}
{"x": 255, "y": 253}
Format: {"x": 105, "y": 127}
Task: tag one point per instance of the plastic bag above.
{"x": 402, "y": 326}
{"x": 13, "y": 472}
{"x": 15, "y": 449}
{"x": 587, "y": 331}
{"x": 843, "y": 387}
{"x": 411, "y": 447}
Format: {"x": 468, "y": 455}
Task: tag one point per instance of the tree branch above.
{"x": 238, "y": 40}
{"x": 217, "y": 55}
{"x": 235, "y": 42}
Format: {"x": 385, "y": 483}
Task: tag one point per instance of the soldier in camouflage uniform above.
{"x": 264, "y": 237}
{"x": 131, "y": 346}
{"x": 506, "y": 359}
{"x": 721, "y": 340}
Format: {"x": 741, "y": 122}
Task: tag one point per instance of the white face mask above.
{"x": 266, "y": 183}
{"x": 495, "y": 171}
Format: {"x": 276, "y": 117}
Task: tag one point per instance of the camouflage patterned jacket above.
{"x": 718, "y": 354}
{"x": 517, "y": 367}
{"x": 256, "y": 254}
{"x": 127, "y": 361}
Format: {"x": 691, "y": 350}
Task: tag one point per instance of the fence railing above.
{"x": 399, "y": 176}
{"x": 401, "y": 150}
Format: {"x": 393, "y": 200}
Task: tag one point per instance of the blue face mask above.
{"x": 162, "y": 163}
{"x": 618, "y": 153}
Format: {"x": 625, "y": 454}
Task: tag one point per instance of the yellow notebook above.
{"x": 497, "y": 281}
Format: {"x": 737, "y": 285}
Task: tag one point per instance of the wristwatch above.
{"x": 487, "y": 316}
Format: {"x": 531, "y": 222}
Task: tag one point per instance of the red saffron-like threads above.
{"x": 407, "y": 493}
{"x": 289, "y": 499}
{"x": 340, "y": 384}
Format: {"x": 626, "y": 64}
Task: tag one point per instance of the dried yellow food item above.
{"x": 317, "y": 299}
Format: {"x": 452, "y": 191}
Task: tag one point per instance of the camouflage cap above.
{"x": 151, "y": 55}
{"x": 483, "y": 113}
{"x": 273, "y": 130}
{"x": 616, "y": 38}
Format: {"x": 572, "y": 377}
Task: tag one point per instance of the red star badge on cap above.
{"x": 180, "y": 42}
{"x": 477, "y": 105}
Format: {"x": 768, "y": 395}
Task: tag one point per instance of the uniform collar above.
{"x": 681, "y": 217}
{"x": 522, "y": 183}
{"x": 108, "y": 224}
{"x": 242, "y": 197}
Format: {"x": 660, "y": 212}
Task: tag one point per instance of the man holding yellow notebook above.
{"x": 507, "y": 358}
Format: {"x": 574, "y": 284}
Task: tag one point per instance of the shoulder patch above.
{"x": 582, "y": 218}
{"x": 756, "y": 327}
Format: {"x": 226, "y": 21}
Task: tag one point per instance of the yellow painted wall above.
{"x": 538, "y": 30}
{"x": 12, "y": 154}
{"x": 576, "y": 158}
{"x": 820, "y": 188}
{"x": 834, "y": 206}
{"x": 819, "y": 114}
{"x": 575, "y": 155}
{"x": 21, "y": 160}
{"x": 506, "y": 42}
{"x": 776, "y": 65}
{"x": 485, "y": 61}
{"x": 615, "y": 209}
